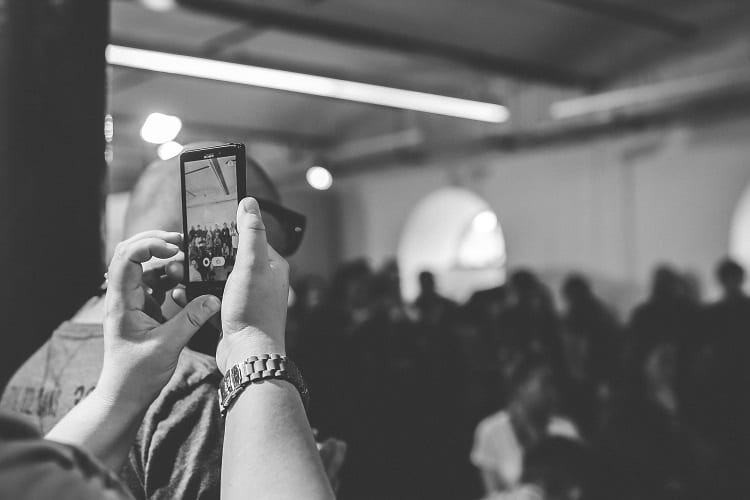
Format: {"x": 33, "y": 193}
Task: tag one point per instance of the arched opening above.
{"x": 739, "y": 238}
{"x": 456, "y": 235}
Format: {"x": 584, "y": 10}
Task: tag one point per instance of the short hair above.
{"x": 577, "y": 286}
{"x": 427, "y": 278}
{"x": 728, "y": 269}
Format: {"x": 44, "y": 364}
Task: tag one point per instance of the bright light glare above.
{"x": 160, "y": 5}
{"x": 169, "y": 150}
{"x": 109, "y": 128}
{"x": 484, "y": 222}
{"x": 482, "y": 250}
{"x": 319, "y": 178}
{"x": 160, "y": 128}
{"x": 305, "y": 84}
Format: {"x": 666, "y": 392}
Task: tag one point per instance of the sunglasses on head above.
{"x": 284, "y": 227}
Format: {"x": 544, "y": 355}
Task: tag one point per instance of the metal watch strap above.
{"x": 257, "y": 369}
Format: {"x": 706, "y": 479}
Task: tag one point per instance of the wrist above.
{"x": 119, "y": 404}
{"x": 128, "y": 398}
{"x": 237, "y": 347}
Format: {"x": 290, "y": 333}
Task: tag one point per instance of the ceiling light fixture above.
{"x": 305, "y": 84}
{"x": 319, "y": 178}
{"x": 485, "y": 221}
{"x": 160, "y": 128}
{"x": 169, "y": 150}
{"x": 159, "y": 5}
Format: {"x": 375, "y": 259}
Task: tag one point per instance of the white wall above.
{"x": 613, "y": 208}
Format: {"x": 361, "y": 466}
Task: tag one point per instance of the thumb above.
{"x": 253, "y": 247}
{"x": 185, "y": 323}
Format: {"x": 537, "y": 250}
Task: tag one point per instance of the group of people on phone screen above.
{"x": 207, "y": 243}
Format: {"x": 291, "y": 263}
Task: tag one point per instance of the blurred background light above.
{"x": 160, "y": 128}
{"x": 485, "y": 221}
{"x": 303, "y": 83}
{"x": 160, "y": 5}
{"x": 169, "y": 150}
{"x": 109, "y": 128}
{"x": 319, "y": 178}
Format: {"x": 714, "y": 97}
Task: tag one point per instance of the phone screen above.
{"x": 211, "y": 238}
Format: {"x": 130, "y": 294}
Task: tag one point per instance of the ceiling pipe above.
{"x": 655, "y": 95}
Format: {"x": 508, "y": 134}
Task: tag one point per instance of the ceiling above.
{"x": 506, "y": 51}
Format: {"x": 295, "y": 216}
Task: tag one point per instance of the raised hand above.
{"x": 140, "y": 353}
{"x": 253, "y": 313}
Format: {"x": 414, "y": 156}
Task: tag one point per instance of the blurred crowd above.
{"x": 510, "y": 392}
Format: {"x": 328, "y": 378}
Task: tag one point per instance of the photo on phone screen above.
{"x": 211, "y": 197}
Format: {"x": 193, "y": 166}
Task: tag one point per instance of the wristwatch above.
{"x": 256, "y": 369}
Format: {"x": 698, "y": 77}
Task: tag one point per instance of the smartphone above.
{"x": 213, "y": 183}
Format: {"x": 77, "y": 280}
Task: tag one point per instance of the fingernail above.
{"x": 212, "y": 304}
{"x": 250, "y": 205}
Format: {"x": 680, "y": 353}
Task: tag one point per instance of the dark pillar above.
{"x": 52, "y": 168}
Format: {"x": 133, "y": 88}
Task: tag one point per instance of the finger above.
{"x": 176, "y": 270}
{"x": 184, "y": 324}
{"x": 162, "y": 263}
{"x": 168, "y": 236}
{"x": 125, "y": 271}
{"x": 179, "y": 296}
{"x": 253, "y": 248}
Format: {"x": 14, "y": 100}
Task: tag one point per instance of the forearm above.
{"x": 269, "y": 450}
{"x": 102, "y": 427}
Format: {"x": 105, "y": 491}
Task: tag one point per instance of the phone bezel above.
{"x": 214, "y": 287}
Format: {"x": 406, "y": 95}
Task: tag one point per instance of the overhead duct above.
{"x": 358, "y": 149}
{"x": 654, "y": 97}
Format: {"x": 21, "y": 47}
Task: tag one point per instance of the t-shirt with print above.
{"x": 177, "y": 452}
{"x": 497, "y": 448}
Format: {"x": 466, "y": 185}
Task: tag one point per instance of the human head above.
{"x": 731, "y": 276}
{"x": 666, "y": 283}
{"x": 155, "y": 202}
{"x": 576, "y": 289}
{"x": 351, "y": 284}
{"x": 427, "y": 282}
{"x": 562, "y": 467}
{"x": 528, "y": 291}
{"x": 532, "y": 387}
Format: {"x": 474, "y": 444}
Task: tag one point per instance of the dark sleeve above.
{"x": 177, "y": 453}
{"x": 32, "y": 467}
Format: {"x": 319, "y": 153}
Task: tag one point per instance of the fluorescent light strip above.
{"x": 210, "y": 69}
